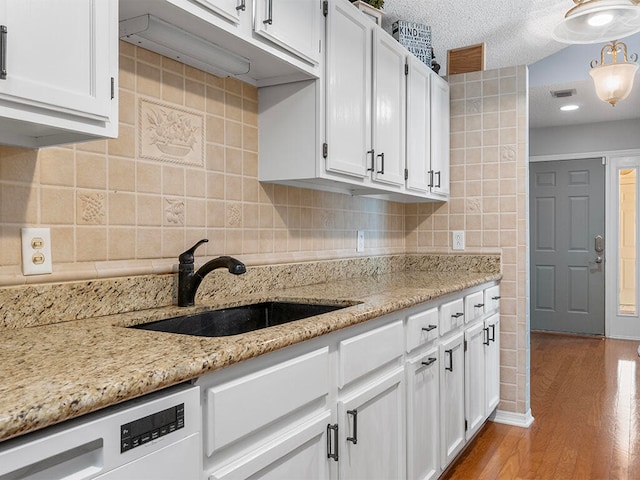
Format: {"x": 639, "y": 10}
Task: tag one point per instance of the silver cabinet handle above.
{"x": 429, "y": 328}
{"x": 457, "y": 315}
{"x": 438, "y": 185}
{"x": 430, "y": 173}
{"x": 492, "y": 338}
{"x": 479, "y": 305}
{"x": 430, "y": 361}
{"x": 269, "y": 21}
{"x": 354, "y": 438}
{"x": 486, "y": 335}
{"x": 3, "y": 52}
{"x": 242, "y": 6}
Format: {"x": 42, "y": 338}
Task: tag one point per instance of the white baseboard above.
{"x": 523, "y": 420}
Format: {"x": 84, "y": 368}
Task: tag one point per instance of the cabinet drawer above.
{"x": 422, "y": 328}
{"x": 473, "y": 306}
{"x": 242, "y": 406}
{"x": 364, "y": 353}
{"x": 492, "y": 299}
{"x": 451, "y": 316}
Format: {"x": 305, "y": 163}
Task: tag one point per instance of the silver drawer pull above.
{"x": 479, "y": 305}
{"x": 429, "y": 328}
{"x": 430, "y": 361}
{"x": 457, "y": 315}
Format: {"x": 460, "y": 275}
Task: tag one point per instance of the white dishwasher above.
{"x": 156, "y": 436}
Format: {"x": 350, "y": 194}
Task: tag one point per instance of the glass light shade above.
{"x": 585, "y": 23}
{"x": 613, "y": 82}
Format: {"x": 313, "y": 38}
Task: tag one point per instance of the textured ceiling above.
{"x": 514, "y": 32}
{"x": 520, "y": 33}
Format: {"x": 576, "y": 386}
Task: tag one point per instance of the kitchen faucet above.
{"x": 188, "y": 281}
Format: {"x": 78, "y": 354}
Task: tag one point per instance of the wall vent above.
{"x": 563, "y": 93}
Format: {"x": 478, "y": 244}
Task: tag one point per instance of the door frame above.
{"x": 611, "y": 270}
{"x": 619, "y": 326}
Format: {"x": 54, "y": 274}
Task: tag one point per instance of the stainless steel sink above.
{"x": 243, "y": 319}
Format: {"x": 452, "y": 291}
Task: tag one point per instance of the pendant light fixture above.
{"x": 614, "y": 81}
{"x": 594, "y": 21}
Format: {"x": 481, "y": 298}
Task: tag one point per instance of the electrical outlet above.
{"x": 36, "y": 251}
{"x": 360, "y": 242}
{"x": 458, "y": 239}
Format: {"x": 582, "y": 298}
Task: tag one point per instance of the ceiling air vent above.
{"x": 563, "y": 93}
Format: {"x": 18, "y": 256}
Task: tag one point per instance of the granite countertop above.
{"x": 50, "y": 373}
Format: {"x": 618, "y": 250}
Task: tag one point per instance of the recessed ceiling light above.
{"x": 569, "y": 108}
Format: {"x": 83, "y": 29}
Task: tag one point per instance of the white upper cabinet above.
{"x": 389, "y": 117}
{"x": 349, "y": 130}
{"x": 427, "y": 131}
{"x": 418, "y": 125}
{"x": 293, "y": 24}
{"x": 440, "y": 128}
{"x": 280, "y": 41}
{"x": 348, "y": 90}
{"x": 231, "y": 10}
{"x": 60, "y": 63}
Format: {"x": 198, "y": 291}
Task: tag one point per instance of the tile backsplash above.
{"x": 184, "y": 167}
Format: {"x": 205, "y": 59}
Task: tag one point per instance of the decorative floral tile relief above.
{"x": 174, "y": 211}
{"x": 91, "y": 208}
{"x": 170, "y": 134}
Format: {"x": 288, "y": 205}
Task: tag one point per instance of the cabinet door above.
{"x": 492, "y": 365}
{"x": 475, "y": 342}
{"x": 440, "y": 128}
{"x": 348, "y": 90}
{"x": 372, "y": 433}
{"x": 423, "y": 416}
{"x": 230, "y": 10}
{"x": 293, "y": 24}
{"x": 57, "y": 56}
{"x": 418, "y": 126}
{"x": 451, "y": 398}
{"x": 389, "y": 117}
{"x": 298, "y": 453}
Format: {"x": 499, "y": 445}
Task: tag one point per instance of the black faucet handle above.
{"x": 187, "y": 258}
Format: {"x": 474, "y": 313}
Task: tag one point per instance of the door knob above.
{"x": 599, "y": 247}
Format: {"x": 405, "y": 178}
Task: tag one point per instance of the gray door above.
{"x": 566, "y": 214}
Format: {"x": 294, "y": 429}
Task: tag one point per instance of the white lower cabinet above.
{"x": 371, "y": 426}
{"x": 386, "y": 399}
{"x": 475, "y": 338}
{"x": 452, "y": 431}
{"x": 423, "y": 415}
{"x": 492, "y": 363}
{"x": 297, "y": 453}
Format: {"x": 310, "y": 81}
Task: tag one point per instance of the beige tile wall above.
{"x": 489, "y": 165}
{"x": 113, "y": 212}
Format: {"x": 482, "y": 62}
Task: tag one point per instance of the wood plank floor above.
{"x": 586, "y": 405}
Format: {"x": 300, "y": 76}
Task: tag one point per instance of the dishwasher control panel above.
{"x": 149, "y": 428}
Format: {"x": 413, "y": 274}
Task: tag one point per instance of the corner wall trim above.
{"x": 523, "y": 420}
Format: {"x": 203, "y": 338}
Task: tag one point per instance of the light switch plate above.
{"x": 360, "y": 241}
{"x": 458, "y": 240}
{"x": 36, "y": 251}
